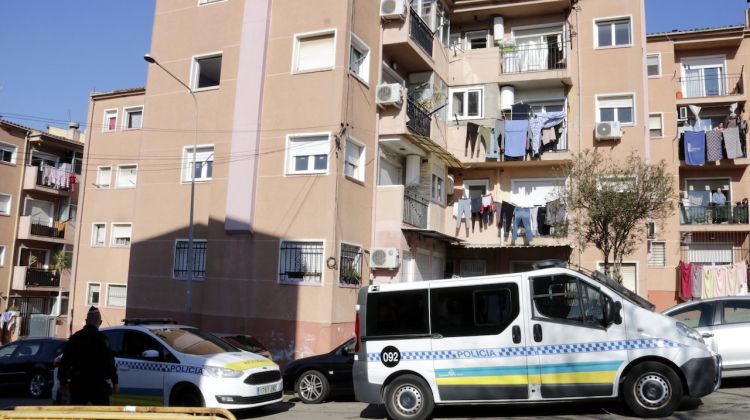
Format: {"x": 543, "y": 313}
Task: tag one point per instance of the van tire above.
{"x": 312, "y": 387}
{"x": 408, "y": 397}
{"x": 186, "y": 396}
{"x": 652, "y": 389}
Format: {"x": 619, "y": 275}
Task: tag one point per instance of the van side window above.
{"x": 397, "y": 313}
{"x": 471, "y": 311}
{"x": 566, "y": 298}
{"x": 115, "y": 341}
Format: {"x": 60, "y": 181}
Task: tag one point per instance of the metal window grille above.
{"x": 301, "y": 262}
{"x": 181, "y": 259}
{"x": 350, "y": 265}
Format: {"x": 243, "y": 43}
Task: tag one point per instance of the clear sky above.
{"x": 55, "y": 52}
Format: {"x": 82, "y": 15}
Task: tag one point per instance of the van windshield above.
{"x": 618, "y": 288}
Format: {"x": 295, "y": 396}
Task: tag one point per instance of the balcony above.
{"x": 30, "y": 278}
{"x": 409, "y": 42}
{"x": 721, "y": 218}
{"x": 529, "y": 58}
{"x": 420, "y": 32}
{"x": 50, "y": 180}
{"x": 710, "y": 88}
{"x": 418, "y": 118}
{"x": 55, "y": 231}
{"x": 415, "y": 211}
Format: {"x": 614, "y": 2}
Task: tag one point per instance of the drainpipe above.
{"x": 646, "y": 122}
{"x": 376, "y": 158}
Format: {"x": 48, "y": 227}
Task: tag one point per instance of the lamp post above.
{"x": 189, "y": 286}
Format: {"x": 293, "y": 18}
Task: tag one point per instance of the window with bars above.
{"x": 658, "y": 255}
{"x": 350, "y": 266}
{"x": 301, "y": 262}
{"x": 117, "y": 295}
{"x": 181, "y": 258}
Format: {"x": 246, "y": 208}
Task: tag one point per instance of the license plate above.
{"x": 266, "y": 389}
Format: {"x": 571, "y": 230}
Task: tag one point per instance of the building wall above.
{"x": 11, "y": 178}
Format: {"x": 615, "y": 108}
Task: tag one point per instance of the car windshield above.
{"x": 193, "y": 341}
{"x": 615, "y": 286}
{"x": 245, "y": 341}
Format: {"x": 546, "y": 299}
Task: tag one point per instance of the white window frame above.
{"x": 702, "y": 63}
{"x": 289, "y": 160}
{"x": 126, "y": 111}
{"x": 302, "y": 283}
{"x": 89, "y": 301}
{"x": 13, "y": 149}
{"x": 2, "y": 255}
{"x": 611, "y": 20}
{"x": 475, "y": 183}
{"x": 10, "y": 205}
{"x": 113, "y": 239}
{"x": 94, "y": 243}
{"x": 195, "y": 69}
{"x": 469, "y": 35}
{"x": 359, "y": 173}
{"x": 117, "y": 176}
{"x": 465, "y": 90}
{"x": 105, "y": 123}
{"x": 650, "y": 265}
{"x": 364, "y": 74}
{"x": 661, "y": 124}
{"x": 658, "y": 58}
{"x": 628, "y": 262}
{"x": 604, "y": 96}
{"x": 188, "y": 163}
{"x": 295, "y": 50}
{"x": 98, "y": 171}
{"x": 109, "y": 286}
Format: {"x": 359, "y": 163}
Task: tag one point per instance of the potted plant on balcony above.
{"x": 507, "y": 45}
{"x": 60, "y": 262}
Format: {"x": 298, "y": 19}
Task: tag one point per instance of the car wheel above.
{"x": 37, "y": 384}
{"x": 652, "y": 389}
{"x": 312, "y": 387}
{"x": 187, "y": 397}
{"x": 408, "y": 397}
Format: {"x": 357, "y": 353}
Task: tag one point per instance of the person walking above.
{"x": 88, "y": 363}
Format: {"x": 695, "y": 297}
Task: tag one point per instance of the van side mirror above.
{"x": 612, "y": 313}
{"x": 150, "y": 354}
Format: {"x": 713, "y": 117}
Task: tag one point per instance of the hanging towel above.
{"x": 686, "y": 279}
{"x": 696, "y": 272}
{"x": 732, "y": 143}
{"x": 695, "y": 147}
{"x": 742, "y": 277}
{"x": 515, "y": 137}
{"x": 548, "y": 136}
{"x": 722, "y": 280}
{"x": 709, "y": 280}
{"x": 713, "y": 146}
{"x": 733, "y": 283}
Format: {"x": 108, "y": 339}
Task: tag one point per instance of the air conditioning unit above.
{"x": 609, "y": 130}
{"x": 389, "y": 94}
{"x": 384, "y": 258}
{"x": 683, "y": 114}
{"x": 393, "y": 9}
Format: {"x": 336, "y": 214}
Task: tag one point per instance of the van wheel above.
{"x": 408, "y": 397}
{"x": 312, "y": 387}
{"x": 652, "y": 389}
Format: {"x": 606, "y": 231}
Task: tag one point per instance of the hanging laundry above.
{"x": 486, "y": 209}
{"x": 709, "y": 282}
{"x": 742, "y": 277}
{"x": 463, "y": 211}
{"x": 713, "y": 146}
{"x": 686, "y": 280}
{"x": 472, "y": 132}
{"x": 534, "y": 211}
{"x": 733, "y": 283}
{"x": 499, "y": 134}
{"x": 540, "y": 121}
{"x": 721, "y": 285}
{"x": 515, "y": 138}
{"x": 506, "y": 216}
{"x": 548, "y": 136}
{"x": 695, "y": 147}
{"x": 522, "y": 216}
{"x": 696, "y": 274}
{"x": 541, "y": 220}
{"x": 485, "y": 138}
{"x": 732, "y": 143}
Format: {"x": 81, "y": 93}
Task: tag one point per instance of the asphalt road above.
{"x": 731, "y": 401}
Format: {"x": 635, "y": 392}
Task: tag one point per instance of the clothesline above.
{"x": 698, "y": 281}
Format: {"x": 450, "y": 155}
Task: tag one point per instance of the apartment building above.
{"x": 39, "y": 182}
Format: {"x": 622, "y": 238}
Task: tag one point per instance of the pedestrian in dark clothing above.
{"x": 88, "y": 363}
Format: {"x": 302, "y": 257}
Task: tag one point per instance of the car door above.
{"x": 732, "y": 335}
{"x": 339, "y": 367}
{"x": 141, "y": 378}
{"x": 701, "y": 316}
{"x": 574, "y": 354}
{"x": 23, "y": 360}
{"x": 8, "y": 370}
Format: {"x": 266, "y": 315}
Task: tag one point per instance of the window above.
{"x": 103, "y": 176}
{"x": 359, "y": 59}
{"x": 307, "y": 154}
{"x": 117, "y": 295}
{"x": 28, "y": 349}
{"x": 133, "y": 118}
{"x": 694, "y": 316}
{"x": 653, "y": 62}
{"x": 655, "y": 125}
{"x": 4, "y": 204}
{"x": 135, "y": 343}
{"x": 616, "y": 108}
{"x": 92, "y": 293}
{"x": 2, "y": 255}
{"x": 199, "y": 164}
{"x": 355, "y": 158}
{"x": 658, "y": 255}
{"x": 314, "y": 52}
{"x": 8, "y": 153}
{"x": 736, "y": 311}
{"x": 455, "y": 40}
{"x": 612, "y": 33}
{"x": 472, "y": 311}
{"x": 110, "y": 120}
{"x": 397, "y": 313}
{"x": 350, "y": 265}
{"x": 127, "y": 176}
{"x": 438, "y": 187}
{"x": 206, "y": 72}
{"x": 301, "y": 262}
{"x": 704, "y": 76}
{"x": 565, "y": 298}
{"x": 98, "y": 234}
{"x": 467, "y": 102}
{"x": 476, "y": 40}
{"x": 180, "y": 270}
{"x": 121, "y": 234}
{"x": 390, "y": 173}
{"x": 473, "y": 268}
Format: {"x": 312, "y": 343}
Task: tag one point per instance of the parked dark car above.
{"x": 26, "y": 364}
{"x": 316, "y": 378}
{"x": 246, "y": 342}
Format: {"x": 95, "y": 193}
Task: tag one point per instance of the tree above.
{"x": 611, "y": 201}
{"x": 60, "y": 261}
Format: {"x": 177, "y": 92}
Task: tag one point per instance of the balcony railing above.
{"x": 418, "y": 118}
{"x": 58, "y": 179}
{"x": 706, "y": 215}
{"x": 37, "y": 277}
{"x": 415, "y": 211}
{"x": 526, "y": 58}
{"x": 420, "y": 32}
{"x": 50, "y": 229}
{"x": 711, "y": 85}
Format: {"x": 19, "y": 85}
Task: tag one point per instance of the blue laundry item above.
{"x": 540, "y": 121}
{"x": 515, "y": 137}
{"x": 695, "y": 147}
{"x": 522, "y": 217}
{"x": 493, "y": 146}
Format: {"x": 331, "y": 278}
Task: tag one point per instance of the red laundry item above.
{"x": 686, "y": 280}
{"x": 72, "y": 182}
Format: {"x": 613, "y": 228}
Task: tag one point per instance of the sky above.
{"x": 54, "y": 53}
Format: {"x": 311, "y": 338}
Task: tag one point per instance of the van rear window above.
{"x": 397, "y": 313}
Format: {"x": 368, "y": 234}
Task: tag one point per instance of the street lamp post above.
{"x": 191, "y": 170}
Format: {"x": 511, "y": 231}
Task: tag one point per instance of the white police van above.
{"x": 554, "y": 334}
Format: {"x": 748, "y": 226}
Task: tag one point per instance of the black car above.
{"x": 316, "y": 378}
{"x": 27, "y": 364}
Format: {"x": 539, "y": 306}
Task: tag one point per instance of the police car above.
{"x": 161, "y": 363}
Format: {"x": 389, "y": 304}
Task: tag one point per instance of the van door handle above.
{"x": 537, "y": 332}
{"x": 516, "y": 334}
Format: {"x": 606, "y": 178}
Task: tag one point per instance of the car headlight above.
{"x": 688, "y": 332}
{"x": 220, "y": 372}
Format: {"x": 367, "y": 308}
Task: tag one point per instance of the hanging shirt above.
{"x": 722, "y": 279}
{"x": 695, "y": 147}
{"x": 709, "y": 282}
{"x": 515, "y": 137}
{"x": 696, "y": 271}
{"x": 686, "y": 280}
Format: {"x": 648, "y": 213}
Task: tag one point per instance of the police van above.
{"x": 554, "y": 334}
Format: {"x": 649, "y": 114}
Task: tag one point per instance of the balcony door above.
{"x": 703, "y": 77}
{"x": 539, "y": 49}
{"x": 38, "y": 261}
{"x": 41, "y": 212}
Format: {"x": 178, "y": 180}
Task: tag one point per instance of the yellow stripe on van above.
{"x": 578, "y": 377}
{"x": 249, "y": 364}
{"x": 485, "y": 380}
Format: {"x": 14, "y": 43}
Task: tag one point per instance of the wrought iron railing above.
{"x": 350, "y": 266}
{"x": 530, "y": 58}
{"x": 420, "y": 32}
{"x": 714, "y": 214}
{"x": 42, "y": 278}
{"x": 711, "y": 85}
{"x": 418, "y": 118}
{"x": 50, "y": 229}
{"x": 415, "y": 211}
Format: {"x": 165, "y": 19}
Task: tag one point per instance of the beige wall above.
{"x": 10, "y": 183}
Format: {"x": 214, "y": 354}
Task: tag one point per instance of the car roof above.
{"x": 707, "y": 300}
{"x": 147, "y": 327}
